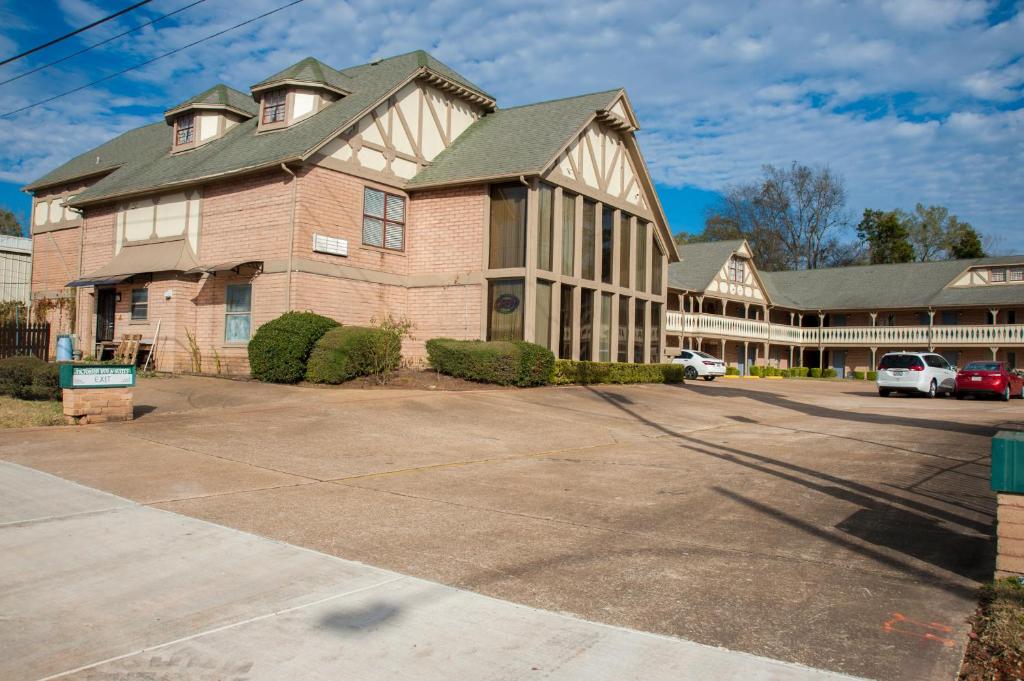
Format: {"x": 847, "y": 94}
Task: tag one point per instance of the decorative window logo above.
{"x": 506, "y": 303}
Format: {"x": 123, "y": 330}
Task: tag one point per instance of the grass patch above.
{"x": 26, "y": 414}
{"x": 995, "y": 650}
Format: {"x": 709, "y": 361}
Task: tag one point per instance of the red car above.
{"x": 989, "y": 378}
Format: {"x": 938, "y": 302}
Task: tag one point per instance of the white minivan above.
{"x": 699, "y": 363}
{"x": 915, "y": 373}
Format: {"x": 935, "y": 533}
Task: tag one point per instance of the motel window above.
{"x": 656, "y": 267}
{"x": 505, "y": 305}
{"x": 607, "y": 243}
{"x": 1017, "y": 274}
{"x": 565, "y": 323}
{"x": 641, "y": 257}
{"x": 542, "y": 316}
{"x": 623, "y": 353}
{"x": 737, "y": 270}
{"x": 639, "y": 324}
{"x": 655, "y": 333}
{"x": 568, "y": 234}
{"x": 605, "y": 340}
{"x": 273, "y": 106}
{"x": 140, "y": 304}
{"x": 383, "y": 219}
{"x": 950, "y": 318}
{"x": 508, "y": 226}
{"x": 545, "y": 226}
{"x": 185, "y": 127}
{"x": 998, "y": 275}
{"x": 625, "y": 238}
{"x": 589, "y": 238}
{"x": 587, "y": 324}
{"x": 238, "y": 313}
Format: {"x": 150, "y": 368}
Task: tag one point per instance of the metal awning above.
{"x": 225, "y": 266}
{"x": 97, "y": 281}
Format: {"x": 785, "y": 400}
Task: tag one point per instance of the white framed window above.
{"x": 998, "y": 275}
{"x": 273, "y": 106}
{"x": 1017, "y": 274}
{"x": 238, "y": 313}
{"x": 140, "y": 304}
{"x": 185, "y": 129}
{"x": 737, "y": 270}
{"x": 383, "y": 219}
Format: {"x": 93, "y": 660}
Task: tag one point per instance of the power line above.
{"x": 99, "y": 44}
{"x": 148, "y": 61}
{"x": 75, "y": 32}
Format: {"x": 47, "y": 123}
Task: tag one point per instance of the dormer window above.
{"x": 274, "y": 107}
{"x": 185, "y": 129}
{"x": 737, "y": 270}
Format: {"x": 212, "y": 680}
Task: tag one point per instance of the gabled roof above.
{"x": 699, "y": 263}
{"x": 220, "y": 96}
{"x": 510, "y": 142}
{"x": 309, "y": 71}
{"x": 141, "y": 160}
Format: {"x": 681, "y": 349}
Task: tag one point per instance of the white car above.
{"x": 701, "y": 364}
{"x": 915, "y": 373}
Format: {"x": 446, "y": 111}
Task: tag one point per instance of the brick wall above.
{"x": 1010, "y": 532}
{"x": 447, "y": 230}
{"x": 246, "y": 217}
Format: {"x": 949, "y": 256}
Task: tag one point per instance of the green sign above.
{"x": 97, "y": 376}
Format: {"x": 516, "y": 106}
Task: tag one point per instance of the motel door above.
{"x": 839, "y": 362}
{"x": 105, "y": 299}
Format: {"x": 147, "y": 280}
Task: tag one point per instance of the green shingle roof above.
{"x": 309, "y": 70}
{"x": 222, "y": 95}
{"x": 699, "y": 263}
{"x": 517, "y": 141}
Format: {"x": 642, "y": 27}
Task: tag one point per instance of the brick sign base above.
{"x": 98, "y": 405}
{"x": 1010, "y": 529}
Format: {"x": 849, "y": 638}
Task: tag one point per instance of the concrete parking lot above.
{"x": 811, "y": 522}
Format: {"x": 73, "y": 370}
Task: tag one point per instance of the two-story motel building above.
{"x": 844, "y": 317}
{"x": 391, "y": 188}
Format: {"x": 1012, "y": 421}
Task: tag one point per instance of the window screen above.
{"x": 238, "y": 313}
{"x": 383, "y": 219}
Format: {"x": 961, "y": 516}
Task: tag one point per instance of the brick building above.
{"x": 392, "y": 188}
{"x": 844, "y": 317}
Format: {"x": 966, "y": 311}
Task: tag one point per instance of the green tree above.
{"x": 963, "y": 241}
{"x": 9, "y": 224}
{"x": 886, "y": 235}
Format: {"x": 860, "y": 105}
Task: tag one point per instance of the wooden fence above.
{"x": 25, "y": 339}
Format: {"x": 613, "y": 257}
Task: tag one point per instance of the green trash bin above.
{"x": 1008, "y": 462}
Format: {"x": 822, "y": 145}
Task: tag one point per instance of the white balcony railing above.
{"x": 734, "y": 328}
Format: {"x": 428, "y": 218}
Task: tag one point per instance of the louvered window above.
{"x": 383, "y": 220}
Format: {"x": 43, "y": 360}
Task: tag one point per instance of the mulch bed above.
{"x": 995, "y": 647}
{"x": 416, "y": 379}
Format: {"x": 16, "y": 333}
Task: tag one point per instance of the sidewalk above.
{"x": 95, "y": 586}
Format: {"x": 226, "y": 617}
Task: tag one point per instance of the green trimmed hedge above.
{"x": 280, "y": 349}
{"x": 828, "y": 372}
{"x": 502, "y": 362}
{"x": 346, "y": 352}
{"x": 800, "y": 372}
{"x": 732, "y": 371}
{"x": 29, "y": 378}
{"x": 872, "y": 375}
{"x": 815, "y": 373}
{"x": 859, "y": 375}
{"x": 571, "y": 372}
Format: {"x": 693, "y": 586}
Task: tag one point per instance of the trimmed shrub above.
{"x": 786, "y": 373}
{"x": 345, "y": 352}
{"x": 571, "y": 372}
{"x": 872, "y": 375}
{"x": 29, "y": 378}
{"x": 755, "y": 371}
{"x": 828, "y": 372}
{"x": 800, "y": 372}
{"x": 280, "y": 349}
{"x": 859, "y": 375}
{"x": 732, "y": 371}
{"x": 501, "y": 362}
{"x": 815, "y": 372}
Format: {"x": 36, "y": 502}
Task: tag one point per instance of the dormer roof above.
{"x": 309, "y": 72}
{"x": 218, "y": 98}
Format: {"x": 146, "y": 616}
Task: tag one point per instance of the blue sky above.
{"x": 907, "y": 100}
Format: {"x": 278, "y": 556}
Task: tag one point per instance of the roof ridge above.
{"x": 561, "y": 99}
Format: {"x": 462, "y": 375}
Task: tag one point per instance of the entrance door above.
{"x": 105, "y": 298}
{"x": 839, "y": 362}
{"x": 741, "y": 361}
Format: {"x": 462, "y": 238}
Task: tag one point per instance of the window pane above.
{"x": 140, "y": 303}
{"x": 655, "y": 332}
{"x": 373, "y": 231}
{"x": 394, "y": 236}
{"x": 625, "y": 238}
{"x": 508, "y": 226}
{"x": 505, "y": 302}
{"x": 568, "y": 234}
{"x": 587, "y": 324}
{"x": 589, "y": 237}
{"x": 656, "y": 258}
{"x": 396, "y": 208}
{"x": 607, "y": 236}
{"x": 239, "y": 298}
{"x": 623, "y": 354}
{"x": 565, "y": 323}
{"x": 545, "y": 225}
{"x": 373, "y": 202}
{"x": 542, "y": 318}
{"x": 605, "y": 352}
{"x": 236, "y": 327}
{"x": 639, "y": 323}
{"x": 641, "y": 256}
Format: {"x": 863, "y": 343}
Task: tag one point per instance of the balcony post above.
{"x": 746, "y": 358}
{"x": 993, "y": 350}
{"x": 874, "y": 359}
{"x": 874, "y": 318}
{"x": 931, "y": 330}
{"x": 790, "y": 356}
{"x": 995, "y": 319}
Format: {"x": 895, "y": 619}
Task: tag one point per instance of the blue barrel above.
{"x": 64, "y": 348}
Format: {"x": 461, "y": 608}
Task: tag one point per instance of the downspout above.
{"x": 291, "y": 240}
